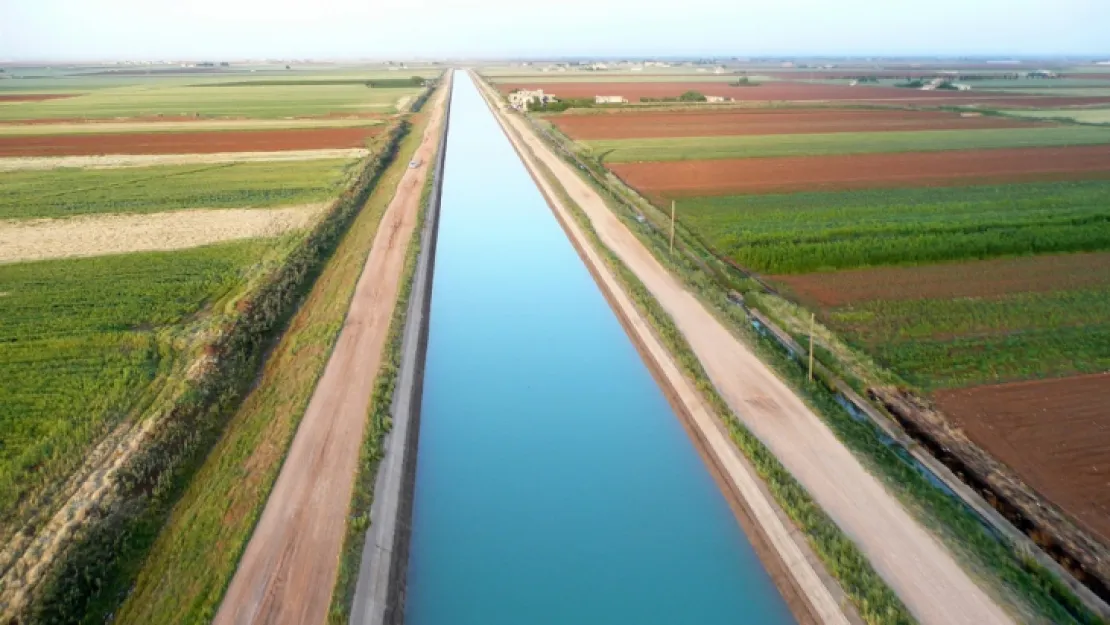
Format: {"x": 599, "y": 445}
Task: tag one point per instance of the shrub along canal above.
{"x": 554, "y": 482}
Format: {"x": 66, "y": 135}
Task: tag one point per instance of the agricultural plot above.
{"x": 1014, "y": 351}
{"x": 105, "y": 342}
{"x": 778, "y": 145}
{"x": 85, "y": 341}
{"x": 802, "y": 92}
{"x": 769, "y": 121}
{"x": 167, "y": 125}
{"x": 1052, "y": 432}
{"x": 71, "y": 192}
{"x": 807, "y": 232}
{"x": 271, "y": 101}
{"x": 211, "y": 142}
{"x": 865, "y": 171}
{"x": 1083, "y": 116}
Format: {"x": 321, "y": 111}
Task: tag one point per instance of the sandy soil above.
{"x": 866, "y": 171}
{"x": 1055, "y": 434}
{"x": 913, "y": 562}
{"x": 983, "y": 278}
{"x": 798, "y": 92}
{"x": 212, "y": 142}
{"x": 148, "y": 160}
{"x": 95, "y": 235}
{"x": 768, "y": 122}
{"x": 288, "y": 570}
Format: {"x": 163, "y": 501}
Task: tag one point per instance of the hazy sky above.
{"x": 217, "y": 29}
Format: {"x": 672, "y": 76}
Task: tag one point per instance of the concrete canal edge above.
{"x": 812, "y": 594}
{"x": 380, "y": 591}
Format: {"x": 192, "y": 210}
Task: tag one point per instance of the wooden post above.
{"x": 812, "y": 322}
{"x": 672, "y": 227}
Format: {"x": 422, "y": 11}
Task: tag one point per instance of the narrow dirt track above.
{"x": 288, "y": 570}
{"x": 912, "y": 561}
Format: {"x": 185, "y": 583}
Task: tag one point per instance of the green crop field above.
{"x": 805, "y": 232}
{"x": 69, "y": 192}
{"x": 701, "y": 148}
{"x": 176, "y": 99}
{"x": 967, "y": 341}
{"x": 1085, "y": 116}
{"x": 83, "y": 340}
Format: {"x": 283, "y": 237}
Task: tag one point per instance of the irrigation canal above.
{"x": 554, "y": 482}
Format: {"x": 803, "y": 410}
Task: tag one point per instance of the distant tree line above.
{"x": 689, "y": 96}
{"x": 395, "y": 83}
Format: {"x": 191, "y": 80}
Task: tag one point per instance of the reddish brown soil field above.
{"x": 33, "y": 97}
{"x": 865, "y": 171}
{"x": 767, "y": 122}
{"x": 187, "y": 142}
{"x": 1054, "y": 433}
{"x": 795, "y": 92}
{"x": 985, "y": 278}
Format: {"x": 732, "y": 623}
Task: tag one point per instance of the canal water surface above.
{"x": 554, "y": 484}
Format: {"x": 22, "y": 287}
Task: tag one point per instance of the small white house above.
{"x": 610, "y": 99}
{"x": 521, "y": 98}
{"x": 717, "y": 98}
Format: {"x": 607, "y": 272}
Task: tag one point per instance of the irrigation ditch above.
{"x": 1060, "y": 588}
{"x": 379, "y": 592}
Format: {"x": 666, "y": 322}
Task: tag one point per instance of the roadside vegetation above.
{"x": 195, "y": 555}
{"x": 69, "y": 192}
{"x": 378, "y": 424}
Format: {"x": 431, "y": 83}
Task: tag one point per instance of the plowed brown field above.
{"x": 33, "y": 97}
{"x": 767, "y": 122}
{"x": 1054, "y": 433}
{"x": 186, "y": 142}
{"x": 797, "y": 92}
{"x": 863, "y": 171}
{"x": 984, "y": 278}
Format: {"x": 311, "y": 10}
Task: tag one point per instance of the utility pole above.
{"x": 812, "y": 322}
{"x": 672, "y": 227}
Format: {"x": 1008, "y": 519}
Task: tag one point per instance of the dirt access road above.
{"x": 288, "y": 570}
{"x": 912, "y": 561}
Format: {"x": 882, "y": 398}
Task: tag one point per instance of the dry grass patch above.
{"x": 145, "y": 160}
{"x": 96, "y": 235}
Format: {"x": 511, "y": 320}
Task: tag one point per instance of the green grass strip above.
{"x": 70, "y": 192}
{"x": 822, "y": 144}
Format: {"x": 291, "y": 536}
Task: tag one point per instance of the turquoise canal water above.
{"x": 554, "y": 483}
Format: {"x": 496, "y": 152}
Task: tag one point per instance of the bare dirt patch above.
{"x": 985, "y": 278}
{"x": 767, "y": 122}
{"x": 1054, "y": 433}
{"x": 866, "y": 171}
{"x": 96, "y": 235}
{"x": 796, "y": 92}
{"x": 149, "y": 160}
{"x": 34, "y": 97}
{"x": 186, "y": 142}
